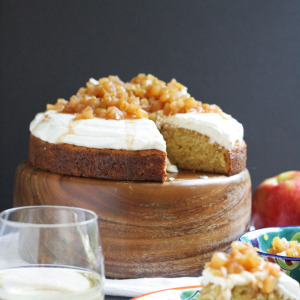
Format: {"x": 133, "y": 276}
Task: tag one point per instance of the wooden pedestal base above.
{"x": 150, "y": 229}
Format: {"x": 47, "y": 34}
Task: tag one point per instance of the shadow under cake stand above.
{"x": 150, "y": 229}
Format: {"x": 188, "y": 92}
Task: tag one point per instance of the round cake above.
{"x": 150, "y": 229}
{"x": 125, "y": 131}
{"x": 116, "y": 147}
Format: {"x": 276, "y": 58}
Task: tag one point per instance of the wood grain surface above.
{"x": 150, "y": 229}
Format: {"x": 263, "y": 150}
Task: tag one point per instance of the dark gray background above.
{"x": 242, "y": 55}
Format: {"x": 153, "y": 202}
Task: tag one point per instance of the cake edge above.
{"x": 67, "y": 159}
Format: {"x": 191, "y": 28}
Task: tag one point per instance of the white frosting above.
{"x": 137, "y": 134}
{"x": 171, "y": 168}
{"x": 225, "y": 132}
{"x": 287, "y": 287}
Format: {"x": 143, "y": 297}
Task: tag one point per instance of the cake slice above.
{"x": 243, "y": 275}
{"x": 206, "y": 142}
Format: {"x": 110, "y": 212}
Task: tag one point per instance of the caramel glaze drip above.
{"x": 129, "y": 135}
{"x": 71, "y": 126}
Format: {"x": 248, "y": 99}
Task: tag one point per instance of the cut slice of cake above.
{"x": 207, "y": 142}
{"x": 243, "y": 275}
{"x": 107, "y": 131}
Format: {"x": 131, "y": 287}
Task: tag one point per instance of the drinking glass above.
{"x": 50, "y": 252}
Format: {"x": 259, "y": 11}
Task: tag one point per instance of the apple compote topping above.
{"x": 280, "y": 246}
{"x": 245, "y": 258}
{"x": 111, "y": 98}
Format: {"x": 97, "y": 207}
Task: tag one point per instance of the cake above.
{"x": 166, "y": 174}
{"x": 126, "y": 131}
{"x": 189, "y": 139}
{"x": 243, "y": 275}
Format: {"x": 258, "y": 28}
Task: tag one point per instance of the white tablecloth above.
{"x": 137, "y": 287}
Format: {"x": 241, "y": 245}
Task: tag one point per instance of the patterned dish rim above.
{"x": 194, "y": 287}
{"x": 261, "y": 231}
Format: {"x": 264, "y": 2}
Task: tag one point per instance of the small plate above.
{"x": 181, "y": 293}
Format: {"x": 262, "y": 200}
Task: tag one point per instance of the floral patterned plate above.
{"x": 182, "y": 293}
{"x": 262, "y": 239}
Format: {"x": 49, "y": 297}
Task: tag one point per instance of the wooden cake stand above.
{"x": 150, "y": 229}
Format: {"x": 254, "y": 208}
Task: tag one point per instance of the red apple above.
{"x": 276, "y": 201}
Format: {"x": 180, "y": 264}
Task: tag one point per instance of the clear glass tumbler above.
{"x": 50, "y": 252}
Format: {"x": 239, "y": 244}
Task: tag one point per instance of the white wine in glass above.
{"x": 50, "y": 252}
